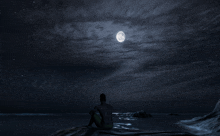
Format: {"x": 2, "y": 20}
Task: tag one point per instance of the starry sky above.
{"x": 60, "y": 55}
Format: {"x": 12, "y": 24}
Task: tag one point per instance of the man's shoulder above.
{"x": 105, "y": 105}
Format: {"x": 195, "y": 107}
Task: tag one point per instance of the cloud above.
{"x": 171, "y": 51}
{"x": 194, "y": 81}
{"x": 157, "y": 33}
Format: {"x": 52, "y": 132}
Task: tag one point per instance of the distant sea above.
{"x": 43, "y": 124}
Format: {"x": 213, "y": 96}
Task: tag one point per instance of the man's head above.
{"x": 102, "y": 97}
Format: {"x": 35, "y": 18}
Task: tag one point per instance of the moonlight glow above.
{"x": 120, "y": 36}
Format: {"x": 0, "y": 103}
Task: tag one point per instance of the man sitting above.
{"x": 105, "y": 110}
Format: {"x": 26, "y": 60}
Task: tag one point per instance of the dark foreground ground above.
{"x": 45, "y": 125}
{"x": 85, "y": 131}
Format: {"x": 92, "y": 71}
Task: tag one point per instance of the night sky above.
{"x": 60, "y": 55}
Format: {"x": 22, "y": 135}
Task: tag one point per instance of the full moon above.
{"x": 120, "y": 36}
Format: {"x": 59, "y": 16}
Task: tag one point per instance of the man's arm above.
{"x": 94, "y": 110}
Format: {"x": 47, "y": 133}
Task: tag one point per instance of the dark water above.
{"x": 46, "y": 124}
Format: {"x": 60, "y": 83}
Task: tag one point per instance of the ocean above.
{"x": 43, "y": 124}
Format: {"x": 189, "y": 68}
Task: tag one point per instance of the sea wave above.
{"x": 205, "y": 125}
{"x": 26, "y": 114}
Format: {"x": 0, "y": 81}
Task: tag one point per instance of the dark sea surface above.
{"x": 27, "y": 124}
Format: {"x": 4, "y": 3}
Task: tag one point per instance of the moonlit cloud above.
{"x": 146, "y": 23}
{"x": 171, "y": 50}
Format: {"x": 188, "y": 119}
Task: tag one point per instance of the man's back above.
{"x": 105, "y": 111}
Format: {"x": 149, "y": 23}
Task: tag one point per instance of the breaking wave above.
{"x": 205, "y": 125}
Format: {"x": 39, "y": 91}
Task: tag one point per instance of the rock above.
{"x": 84, "y": 131}
{"x": 77, "y": 131}
{"x": 141, "y": 114}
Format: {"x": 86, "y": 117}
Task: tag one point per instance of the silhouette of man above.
{"x": 105, "y": 110}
